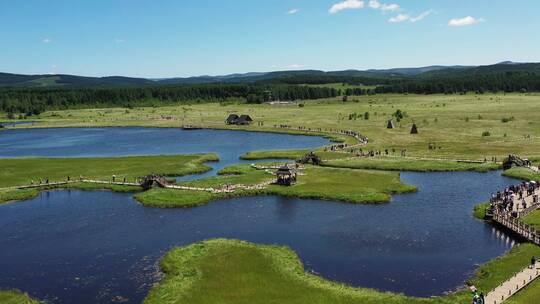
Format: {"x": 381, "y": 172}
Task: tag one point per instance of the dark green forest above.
{"x": 33, "y": 101}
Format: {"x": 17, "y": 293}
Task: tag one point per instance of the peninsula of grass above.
{"x": 22, "y": 171}
{"x": 12, "y": 195}
{"x": 231, "y": 271}
{"x": 346, "y": 185}
{"x": 479, "y": 211}
{"x": 522, "y": 173}
{"x": 410, "y": 164}
{"x": 15, "y": 297}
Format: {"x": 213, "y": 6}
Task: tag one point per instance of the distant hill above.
{"x": 296, "y": 76}
{"x": 61, "y": 80}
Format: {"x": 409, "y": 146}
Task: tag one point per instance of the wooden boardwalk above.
{"x": 514, "y": 223}
{"x": 517, "y": 282}
{"x": 222, "y": 189}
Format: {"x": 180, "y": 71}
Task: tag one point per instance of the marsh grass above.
{"x": 230, "y": 271}
{"x": 20, "y": 171}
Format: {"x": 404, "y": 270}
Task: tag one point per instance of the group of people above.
{"x": 358, "y": 136}
{"x": 506, "y": 200}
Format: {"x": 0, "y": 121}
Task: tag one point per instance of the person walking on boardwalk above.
{"x": 113, "y": 178}
{"x": 533, "y": 262}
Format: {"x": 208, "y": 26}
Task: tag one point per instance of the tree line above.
{"x": 33, "y": 101}
{"x": 480, "y": 83}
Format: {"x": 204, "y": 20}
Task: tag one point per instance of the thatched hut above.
{"x": 244, "y": 120}
{"x": 231, "y": 120}
{"x": 414, "y": 129}
{"x": 390, "y": 124}
{"x": 286, "y": 176}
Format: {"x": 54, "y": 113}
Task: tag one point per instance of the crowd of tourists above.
{"x": 513, "y": 197}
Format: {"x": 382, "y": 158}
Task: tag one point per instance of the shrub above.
{"x": 486, "y": 133}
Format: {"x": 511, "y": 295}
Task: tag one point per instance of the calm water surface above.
{"x": 71, "y": 246}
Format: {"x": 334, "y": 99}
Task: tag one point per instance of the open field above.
{"x": 410, "y": 164}
{"x": 228, "y": 271}
{"x": 455, "y": 123}
{"x": 347, "y": 185}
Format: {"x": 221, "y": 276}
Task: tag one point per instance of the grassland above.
{"x": 454, "y": 123}
{"x": 353, "y": 186}
{"x": 410, "y": 164}
{"x": 15, "y": 297}
{"x": 228, "y": 271}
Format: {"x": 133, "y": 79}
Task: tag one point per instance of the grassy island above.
{"x": 347, "y": 185}
{"x": 230, "y": 271}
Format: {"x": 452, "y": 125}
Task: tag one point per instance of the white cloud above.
{"x": 295, "y": 66}
{"x": 422, "y": 16}
{"x": 374, "y": 4}
{"x": 469, "y": 20}
{"x": 399, "y": 18}
{"x": 119, "y": 40}
{"x": 347, "y": 4}
{"x": 292, "y": 11}
{"x": 46, "y": 40}
{"x": 390, "y": 7}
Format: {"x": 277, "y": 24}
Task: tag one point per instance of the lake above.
{"x": 71, "y": 246}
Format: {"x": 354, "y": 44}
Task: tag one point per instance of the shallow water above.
{"x": 71, "y": 246}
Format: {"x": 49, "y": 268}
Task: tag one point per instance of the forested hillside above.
{"x": 67, "y": 91}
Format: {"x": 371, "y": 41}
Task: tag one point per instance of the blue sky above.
{"x": 162, "y": 38}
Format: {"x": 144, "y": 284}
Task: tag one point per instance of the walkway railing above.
{"x": 519, "y": 227}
